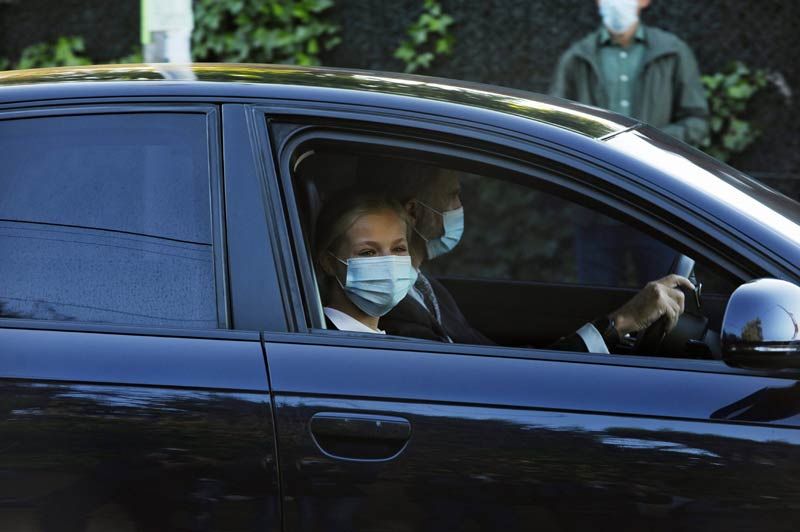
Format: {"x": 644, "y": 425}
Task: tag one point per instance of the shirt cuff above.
{"x": 593, "y": 339}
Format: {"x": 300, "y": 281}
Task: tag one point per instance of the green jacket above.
{"x": 669, "y": 92}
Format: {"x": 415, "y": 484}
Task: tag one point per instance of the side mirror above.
{"x": 761, "y": 327}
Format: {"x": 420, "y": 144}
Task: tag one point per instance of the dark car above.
{"x": 164, "y": 362}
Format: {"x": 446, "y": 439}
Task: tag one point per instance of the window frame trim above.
{"x": 323, "y": 338}
{"x": 213, "y": 134}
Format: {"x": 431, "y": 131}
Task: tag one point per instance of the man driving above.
{"x": 432, "y": 198}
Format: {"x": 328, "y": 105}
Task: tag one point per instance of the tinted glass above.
{"x": 107, "y": 218}
{"x": 512, "y": 232}
{"x": 518, "y": 233}
{"x": 142, "y": 173}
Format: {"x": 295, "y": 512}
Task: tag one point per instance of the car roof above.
{"x": 585, "y": 120}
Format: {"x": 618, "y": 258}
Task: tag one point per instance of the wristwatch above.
{"x": 608, "y": 330}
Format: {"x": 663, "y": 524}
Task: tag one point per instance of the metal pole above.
{"x": 167, "y": 30}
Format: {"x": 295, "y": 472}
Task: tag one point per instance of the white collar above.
{"x": 346, "y": 322}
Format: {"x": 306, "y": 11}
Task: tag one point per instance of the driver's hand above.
{"x": 658, "y": 298}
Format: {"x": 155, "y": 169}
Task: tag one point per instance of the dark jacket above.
{"x": 410, "y": 318}
{"x": 669, "y": 91}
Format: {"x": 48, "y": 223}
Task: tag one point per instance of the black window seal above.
{"x": 275, "y": 201}
{"x": 216, "y": 198}
{"x": 130, "y": 330}
{"x": 107, "y": 108}
{"x": 219, "y": 246}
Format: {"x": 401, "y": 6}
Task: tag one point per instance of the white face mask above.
{"x": 619, "y": 15}
{"x": 377, "y": 284}
{"x": 453, "y": 224}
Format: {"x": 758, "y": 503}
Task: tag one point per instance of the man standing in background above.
{"x": 648, "y": 74}
{"x": 636, "y": 70}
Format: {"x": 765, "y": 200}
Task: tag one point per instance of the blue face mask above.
{"x": 453, "y": 223}
{"x": 377, "y": 284}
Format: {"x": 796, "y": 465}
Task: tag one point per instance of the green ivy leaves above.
{"x": 66, "y": 51}
{"x": 428, "y": 37}
{"x": 729, "y": 92}
{"x": 272, "y": 31}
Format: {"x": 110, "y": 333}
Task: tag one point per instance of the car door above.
{"x": 127, "y": 401}
{"x": 386, "y": 433}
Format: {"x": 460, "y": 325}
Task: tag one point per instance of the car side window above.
{"x": 502, "y": 258}
{"x": 107, "y": 218}
{"x": 518, "y": 233}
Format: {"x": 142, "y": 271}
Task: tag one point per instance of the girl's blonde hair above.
{"x": 342, "y": 211}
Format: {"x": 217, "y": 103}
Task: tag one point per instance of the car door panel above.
{"x": 499, "y": 443}
{"x": 135, "y": 432}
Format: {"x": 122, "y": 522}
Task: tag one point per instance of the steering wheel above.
{"x": 649, "y": 340}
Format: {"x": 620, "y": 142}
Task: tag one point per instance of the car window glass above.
{"x": 106, "y": 218}
{"x": 517, "y": 232}
{"x": 520, "y": 233}
{"x": 528, "y": 267}
{"x": 130, "y": 172}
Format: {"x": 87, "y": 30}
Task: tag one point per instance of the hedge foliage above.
{"x": 729, "y": 93}
{"x": 268, "y": 31}
{"x": 428, "y": 37}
